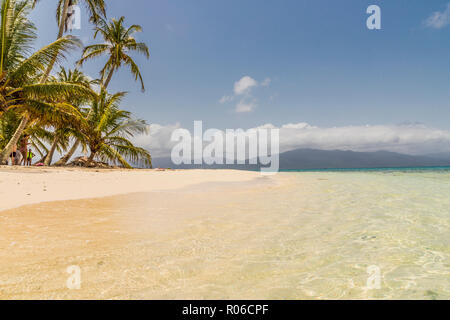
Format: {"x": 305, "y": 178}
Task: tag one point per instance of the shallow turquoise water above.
{"x": 396, "y": 222}
{"x": 317, "y": 235}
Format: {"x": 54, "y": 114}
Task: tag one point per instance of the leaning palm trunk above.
{"x": 49, "y": 157}
{"x": 90, "y": 161}
{"x": 14, "y": 140}
{"x": 66, "y": 158}
{"x": 42, "y": 159}
{"x": 91, "y": 157}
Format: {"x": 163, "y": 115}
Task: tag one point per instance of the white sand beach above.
{"x": 22, "y": 186}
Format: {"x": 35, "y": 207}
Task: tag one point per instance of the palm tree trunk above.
{"x": 62, "y": 25}
{"x": 108, "y": 80}
{"x": 14, "y": 140}
{"x": 42, "y": 158}
{"x": 49, "y": 157}
{"x": 69, "y": 155}
{"x": 91, "y": 158}
{"x": 38, "y": 150}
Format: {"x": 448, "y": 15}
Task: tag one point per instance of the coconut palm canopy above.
{"x": 118, "y": 43}
{"x": 53, "y": 109}
{"x": 108, "y": 130}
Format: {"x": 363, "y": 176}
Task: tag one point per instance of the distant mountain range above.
{"x": 304, "y": 159}
{"x": 442, "y": 156}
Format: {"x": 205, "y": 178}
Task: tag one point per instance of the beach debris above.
{"x": 85, "y": 162}
{"x": 368, "y": 237}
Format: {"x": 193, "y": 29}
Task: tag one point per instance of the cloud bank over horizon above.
{"x": 413, "y": 139}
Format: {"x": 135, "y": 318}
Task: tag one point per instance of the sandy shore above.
{"x": 22, "y": 186}
{"x": 130, "y": 233}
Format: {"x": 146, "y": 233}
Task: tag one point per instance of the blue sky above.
{"x": 325, "y": 67}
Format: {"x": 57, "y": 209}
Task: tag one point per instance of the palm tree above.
{"x": 118, "y": 43}
{"x": 108, "y": 131}
{"x": 72, "y": 117}
{"x": 96, "y": 9}
{"x": 20, "y": 91}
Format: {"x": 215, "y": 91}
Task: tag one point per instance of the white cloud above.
{"x": 158, "y": 140}
{"x": 243, "y": 89}
{"x": 244, "y": 85}
{"x": 439, "y": 19}
{"x": 226, "y": 99}
{"x": 243, "y": 107}
{"x": 301, "y": 125}
{"x": 408, "y": 139}
{"x": 266, "y": 126}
